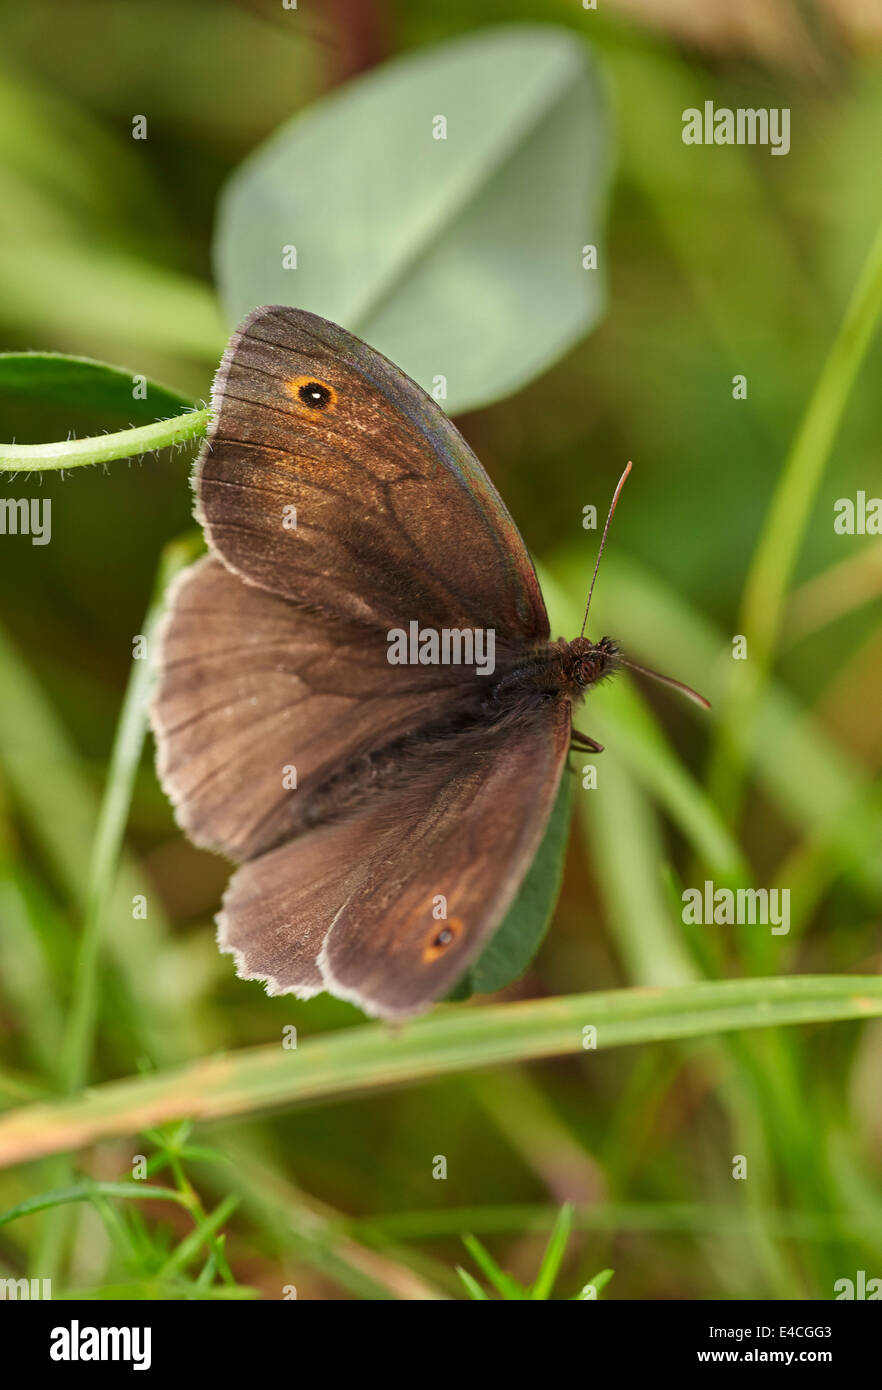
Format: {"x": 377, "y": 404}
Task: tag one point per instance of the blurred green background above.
{"x": 717, "y": 262}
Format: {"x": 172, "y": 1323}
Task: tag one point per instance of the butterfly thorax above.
{"x": 558, "y": 670}
{"x": 526, "y": 683}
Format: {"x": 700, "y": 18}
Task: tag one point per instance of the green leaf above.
{"x": 57, "y": 379}
{"x": 86, "y": 295}
{"x": 79, "y": 384}
{"x": 510, "y": 950}
{"x": 459, "y": 257}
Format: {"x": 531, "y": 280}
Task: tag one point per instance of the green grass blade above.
{"x": 474, "y": 1288}
{"x": 87, "y": 1192}
{"x": 596, "y": 1284}
{"x": 617, "y": 713}
{"x": 364, "y": 1058}
{"x": 124, "y": 760}
{"x": 206, "y": 1228}
{"x": 623, "y": 840}
{"x": 503, "y": 1283}
{"x": 35, "y": 752}
{"x": 771, "y": 571}
{"x": 811, "y": 779}
{"x": 554, "y": 1253}
{"x": 651, "y": 1217}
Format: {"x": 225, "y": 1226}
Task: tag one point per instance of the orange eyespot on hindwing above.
{"x": 441, "y": 938}
{"x": 311, "y": 394}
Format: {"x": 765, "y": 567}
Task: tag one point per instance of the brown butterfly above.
{"x": 384, "y": 813}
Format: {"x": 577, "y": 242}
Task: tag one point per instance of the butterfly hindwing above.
{"x": 394, "y": 903}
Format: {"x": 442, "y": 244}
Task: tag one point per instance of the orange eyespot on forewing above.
{"x": 311, "y": 395}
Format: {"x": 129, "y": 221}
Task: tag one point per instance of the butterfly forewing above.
{"x": 259, "y": 704}
{"x": 334, "y": 480}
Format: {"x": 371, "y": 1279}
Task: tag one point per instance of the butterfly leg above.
{"x": 579, "y": 740}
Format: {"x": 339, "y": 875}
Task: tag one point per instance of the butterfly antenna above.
{"x": 609, "y": 518}
{"x": 666, "y": 680}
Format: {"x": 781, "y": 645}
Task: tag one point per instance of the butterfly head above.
{"x": 585, "y": 663}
